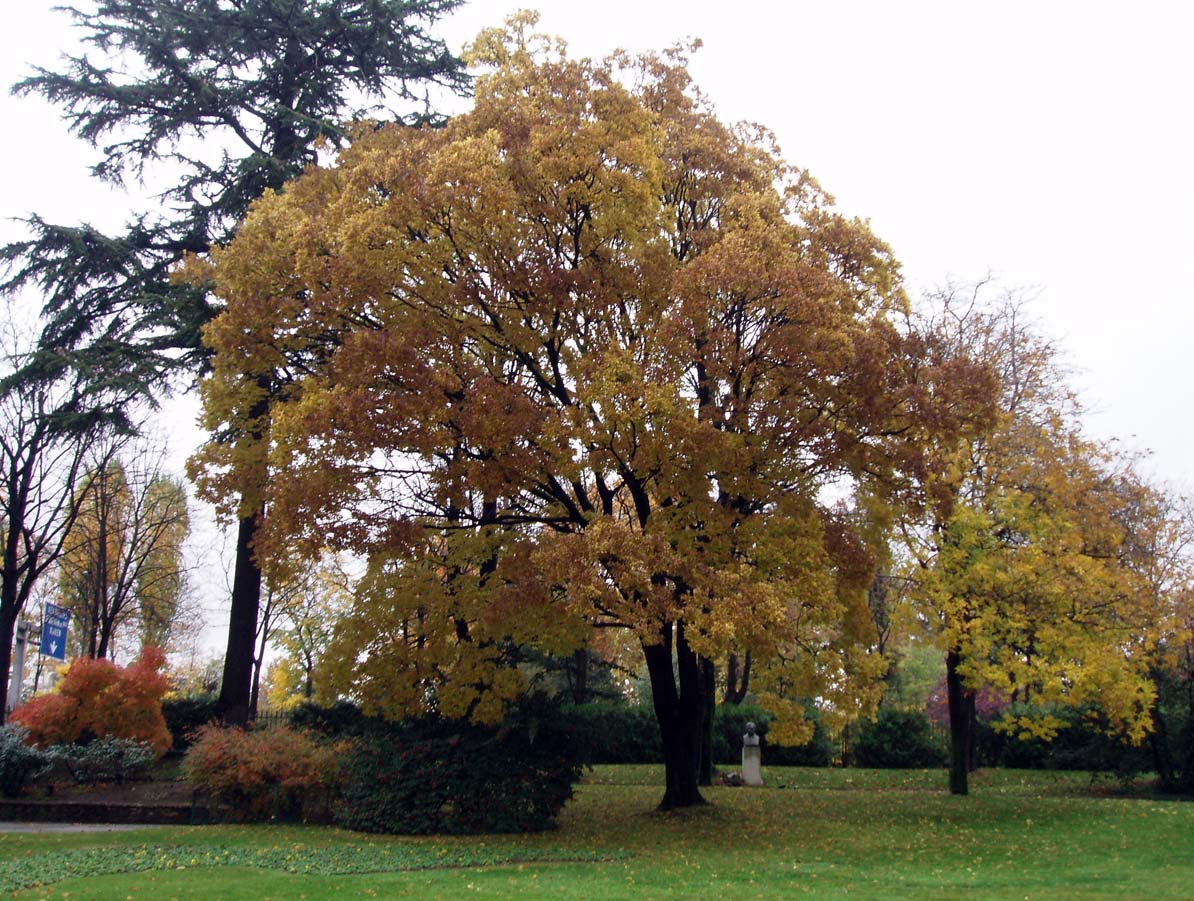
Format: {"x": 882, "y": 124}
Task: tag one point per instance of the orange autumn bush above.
{"x": 98, "y": 698}
{"x": 277, "y": 772}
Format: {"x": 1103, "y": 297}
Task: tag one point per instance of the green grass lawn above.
{"x": 818, "y": 832}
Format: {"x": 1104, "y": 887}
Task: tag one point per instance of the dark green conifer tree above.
{"x": 223, "y": 99}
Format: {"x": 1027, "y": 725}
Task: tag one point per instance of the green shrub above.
{"x": 1082, "y": 743}
{"x": 432, "y": 775}
{"x": 613, "y": 732}
{"x": 106, "y": 759}
{"x": 898, "y": 739}
{"x": 20, "y": 762}
{"x": 340, "y": 720}
{"x": 275, "y": 773}
{"x": 185, "y": 716}
{"x": 1172, "y": 741}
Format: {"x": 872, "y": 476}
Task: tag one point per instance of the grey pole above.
{"x": 18, "y": 666}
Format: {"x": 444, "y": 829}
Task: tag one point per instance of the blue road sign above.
{"x": 54, "y": 623}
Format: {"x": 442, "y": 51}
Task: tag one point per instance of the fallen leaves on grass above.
{"x": 333, "y": 860}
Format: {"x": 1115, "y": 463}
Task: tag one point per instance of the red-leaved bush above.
{"x": 103, "y": 699}
{"x": 261, "y": 774}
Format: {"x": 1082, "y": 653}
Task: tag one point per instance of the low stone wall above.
{"x": 44, "y": 811}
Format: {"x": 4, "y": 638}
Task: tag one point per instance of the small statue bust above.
{"x": 751, "y": 738}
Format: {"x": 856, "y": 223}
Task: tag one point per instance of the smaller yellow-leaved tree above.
{"x": 122, "y": 565}
{"x": 1029, "y": 557}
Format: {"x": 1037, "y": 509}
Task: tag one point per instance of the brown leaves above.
{"x": 600, "y": 350}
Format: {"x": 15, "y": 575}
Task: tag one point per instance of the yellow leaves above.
{"x": 500, "y": 46}
{"x": 790, "y": 727}
{"x": 1027, "y": 564}
{"x": 1044, "y": 727}
{"x": 584, "y": 355}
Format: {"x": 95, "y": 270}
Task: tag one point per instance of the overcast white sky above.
{"x": 1048, "y": 142}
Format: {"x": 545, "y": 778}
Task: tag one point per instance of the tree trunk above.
{"x": 236, "y": 689}
{"x": 259, "y": 661}
{"x": 309, "y": 676}
{"x": 971, "y": 700}
{"x": 679, "y": 710}
{"x": 578, "y": 676}
{"x": 959, "y": 727}
{"x": 737, "y": 681}
{"x": 709, "y": 689}
{"x": 8, "y": 627}
{"x": 101, "y": 648}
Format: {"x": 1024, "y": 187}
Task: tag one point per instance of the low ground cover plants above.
{"x": 106, "y": 760}
{"x": 20, "y": 761}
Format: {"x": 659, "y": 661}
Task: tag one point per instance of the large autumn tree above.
{"x": 213, "y": 101}
{"x": 585, "y": 357}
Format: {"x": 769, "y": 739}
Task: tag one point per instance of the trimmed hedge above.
{"x": 430, "y": 775}
{"x": 898, "y": 739}
{"x": 185, "y": 716}
{"x": 611, "y": 732}
{"x": 624, "y": 733}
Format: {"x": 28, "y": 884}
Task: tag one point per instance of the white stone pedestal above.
{"x": 752, "y": 765}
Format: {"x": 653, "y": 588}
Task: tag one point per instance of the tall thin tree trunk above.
{"x": 959, "y": 727}
{"x": 9, "y": 611}
{"x": 309, "y": 676}
{"x": 679, "y": 710}
{"x": 971, "y": 731}
{"x": 709, "y": 690}
{"x": 578, "y": 672}
{"x": 105, "y": 636}
{"x": 258, "y": 663}
{"x": 236, "y": 688}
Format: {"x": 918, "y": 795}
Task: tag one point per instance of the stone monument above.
{"x": 752, "y": 757}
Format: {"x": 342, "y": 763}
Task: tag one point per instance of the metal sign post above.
{"x": 17, "y": 676}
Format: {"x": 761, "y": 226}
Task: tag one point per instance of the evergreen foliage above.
{"x": 1172, "y": 740}
{"x": 235, "y": 97}
{"x": 898, "y": 739}
{"x": 184, "y": 716}
{"x": 20, "y": 762}
{"x": 435, "y": 775}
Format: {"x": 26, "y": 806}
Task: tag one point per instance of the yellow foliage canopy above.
{"x": 586, "y": 356}
{"x": 1035, "y": 565}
